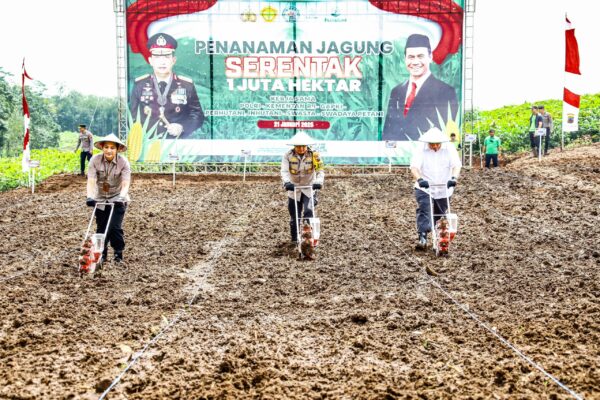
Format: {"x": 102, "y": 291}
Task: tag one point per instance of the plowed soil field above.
{"x": 211, "y": 302}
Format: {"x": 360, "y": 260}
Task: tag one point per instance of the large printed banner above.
{"x": 214, "y": 80}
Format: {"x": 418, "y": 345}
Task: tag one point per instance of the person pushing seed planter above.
{"x": 436, "y": 167}
{"x": 109, "y": 177}
{"x": 302, "y": 175}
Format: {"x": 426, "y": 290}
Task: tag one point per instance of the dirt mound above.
{"x": 209, "y": 269}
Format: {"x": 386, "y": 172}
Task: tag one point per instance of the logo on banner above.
{"x": 335, "y": 16}
{"x": 248, "y": 16}
{"x": 570, "y": 118}
{"x": 269, "y": 14}
{"x": 291, "y": 14}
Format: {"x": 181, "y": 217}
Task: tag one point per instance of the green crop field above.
{"x": 52, "y": 162}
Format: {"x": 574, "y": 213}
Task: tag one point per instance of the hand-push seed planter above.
{"x": 444, "y": 230}
{"x": 90, "y": 255}
{"x": 308, "y": 230}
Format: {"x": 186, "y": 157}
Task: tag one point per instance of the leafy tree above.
{"x": 7, "y": 105}
{"x": 98, "y": 113}
{"x": 43, "y": 128}
{"x": 49, "y": 115}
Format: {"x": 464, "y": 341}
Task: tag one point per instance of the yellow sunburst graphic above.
{"x": 268, "y": 13}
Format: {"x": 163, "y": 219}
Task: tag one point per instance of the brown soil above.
{"x": 209, "y": 260}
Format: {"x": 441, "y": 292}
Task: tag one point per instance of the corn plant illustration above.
{"x": 141, "y": 140}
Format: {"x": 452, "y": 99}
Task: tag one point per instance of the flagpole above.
{"x": 562, "y": 131}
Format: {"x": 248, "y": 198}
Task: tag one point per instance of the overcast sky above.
{"x": 518, "y": 54}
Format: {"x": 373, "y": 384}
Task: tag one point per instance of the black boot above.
{"x": 118, "y": 256}
{"x": 293, "y": 232}
{"x": 422, "y": 243}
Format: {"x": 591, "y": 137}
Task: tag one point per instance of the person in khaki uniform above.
{"x": 301, "y": 166}
{"x": 547, "y": 124}
{"x": 86, "y": 140}
{"x": 109, "y": 177}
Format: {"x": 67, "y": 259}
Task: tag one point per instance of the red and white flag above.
{"x": 572, "y": 80}
{"x": 26, "y": 153}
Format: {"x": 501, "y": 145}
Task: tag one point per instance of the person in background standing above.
{"x": 491, "y": 149}
{"x": 86, "y": 140}
{"x": 535, "y": 121}
{"x": 456, "y": 144}
{"x": 547, "y": 124}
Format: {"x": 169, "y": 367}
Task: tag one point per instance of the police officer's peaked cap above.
{"x": 111, "y": 138}
{"x": 161, "y": 43}
{"x": 418, "y": 40}
{"x": 433, "y": 135}
{"x": 301, "y": 139}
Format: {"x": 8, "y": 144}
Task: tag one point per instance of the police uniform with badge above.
{"x": 305, "y": 169}
{"x": 169, "y": 100}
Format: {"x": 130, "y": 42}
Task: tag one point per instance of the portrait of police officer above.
{"x": 169, "y": 100}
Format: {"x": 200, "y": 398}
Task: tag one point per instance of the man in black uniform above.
{"x": 169, "y": 100}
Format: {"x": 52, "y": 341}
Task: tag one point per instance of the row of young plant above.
{"x": 52, "y": 162}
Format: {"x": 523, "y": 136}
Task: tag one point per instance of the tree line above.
{"x": 50, "y": 115}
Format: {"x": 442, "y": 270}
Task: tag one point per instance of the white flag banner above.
{"x": 571, "y": 98}
{"x": 26, "y": 152}
{"x": 570, "y": 117}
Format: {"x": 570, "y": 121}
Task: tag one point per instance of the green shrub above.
{"x": 52, "y": 162}
{"x": 512, "y": 122}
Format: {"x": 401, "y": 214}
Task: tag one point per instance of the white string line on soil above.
{"x": 63, "y": 215}
{"x": 540, "y": 226}
{"x": 419, "y": 263}
{"x": 62, "y": 253}
{"x": 142, "y": 203}
{"x": 195, "y": 207}
{"x": 216, "y": 255}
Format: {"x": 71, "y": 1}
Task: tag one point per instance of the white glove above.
{"x": 175, "y": 129}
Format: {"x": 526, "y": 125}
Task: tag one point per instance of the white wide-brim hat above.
{"x": 301, "y": 139}
{"x": 434, "y": 135}
{"x": 111, "y": 138}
